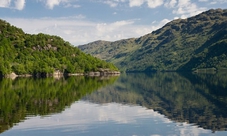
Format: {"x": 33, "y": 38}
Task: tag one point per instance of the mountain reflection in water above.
{"x": 88, "y": 119}
{"x": 133, "y": 104}
{"x": 24, "y": 97}
{"x": 199, "y": 99}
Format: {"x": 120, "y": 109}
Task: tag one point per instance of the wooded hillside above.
{"x": 42, "y": 54}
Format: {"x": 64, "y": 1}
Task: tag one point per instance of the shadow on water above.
{"x": 199, "y": 99}
{"x": 25, "y": 97}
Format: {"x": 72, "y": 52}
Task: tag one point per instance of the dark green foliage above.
{"x": 30, "y": 54}
{"x": 199, "y": 99}
{"x": 24, "y": 97}
{"x": 199, "y": 42}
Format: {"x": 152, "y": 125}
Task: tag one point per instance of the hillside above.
{"x": 181, "y": 45}
{"x": 42, "y": 54}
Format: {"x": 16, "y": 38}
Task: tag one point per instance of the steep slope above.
{"x": 115, "y": 52}
{"x": 181, "y": 45}
{"x": 42, "y": 54}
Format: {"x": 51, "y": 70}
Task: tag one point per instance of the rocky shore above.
{"x": 57, "y": 73}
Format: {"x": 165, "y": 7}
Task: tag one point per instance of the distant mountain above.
{"x": 43, "y": 54}
{"x": 199, "y": 42}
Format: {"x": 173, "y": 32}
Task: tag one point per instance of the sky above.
{"x": 84, "y": 21}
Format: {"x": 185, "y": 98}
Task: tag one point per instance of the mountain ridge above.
{"x": 198, "y": 42}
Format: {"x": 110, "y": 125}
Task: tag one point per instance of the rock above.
{"x": 12, "y": 75}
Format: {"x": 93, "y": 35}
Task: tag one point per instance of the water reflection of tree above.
{"x": 30, "y": 97}
{"x": 199, "y": 99}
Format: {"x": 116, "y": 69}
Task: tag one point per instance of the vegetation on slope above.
{"x": 181, "y": 45}
{"x": 31, "y": 54}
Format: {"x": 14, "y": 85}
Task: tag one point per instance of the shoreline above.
{"x": 60, "y": 74}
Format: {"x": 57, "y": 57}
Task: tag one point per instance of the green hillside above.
{"x": 42, "y": 54}
{"x": 199, "y": 42}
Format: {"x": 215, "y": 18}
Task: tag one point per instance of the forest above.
{"x": 43, "y": 54}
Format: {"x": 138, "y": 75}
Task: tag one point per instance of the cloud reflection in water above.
{"x": 85, "y": 118}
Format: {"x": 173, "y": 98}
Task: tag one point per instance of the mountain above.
{"x": 43, "y": 54}
{"x": 198, "y": 42}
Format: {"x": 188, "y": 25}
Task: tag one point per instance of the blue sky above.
{"x": 84, "y": 21}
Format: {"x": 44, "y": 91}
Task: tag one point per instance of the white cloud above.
{"x": 170, "y": 3}
{"x": 78, "y": 30}
{"x": 19, "y": 4}
{"x": 150, "y": 3}
{"x": 221, "y": 1}
{"x": 154, "y": 3}
{"x": 113, "y": 31}
{"x": 67, "y": 5}
{"x": 186, "y": 8}
{"x": 213, "y": 2}
{"x": 111, "y": 3}
{"x": 76, "y": 6}
{"x": 184, "y": 3}
{"x": 203, "y": 0}
{"x": 135, "y": 3}
{"x": 164, "y": 21}
{"x": 5, "y": 3}
{"x": 52, "y": 3}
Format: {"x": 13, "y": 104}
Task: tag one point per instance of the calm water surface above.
{"x": 130, "y": 105}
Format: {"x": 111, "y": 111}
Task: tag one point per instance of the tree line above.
{"x": 41, "y": 53}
